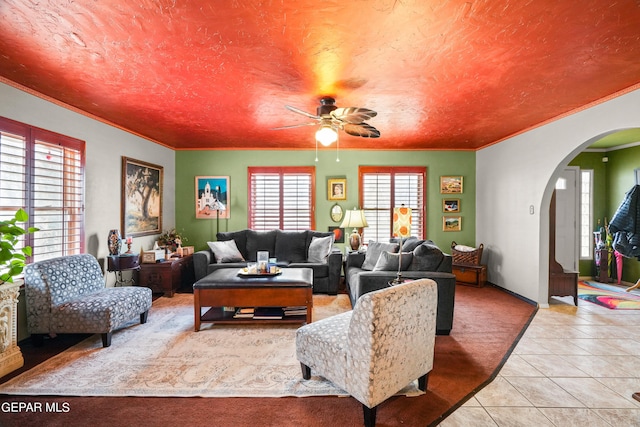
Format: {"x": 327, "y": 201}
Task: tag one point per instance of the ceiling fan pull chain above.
{"x": 337, "y": 148}
{"x": 316, "y": 150}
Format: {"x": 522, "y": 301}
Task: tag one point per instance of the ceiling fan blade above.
{"x": 362, "y": 129}
{"x": 299, "y": 111}
{"x": 354, "y": 115}
{"x": 295, "y": 126}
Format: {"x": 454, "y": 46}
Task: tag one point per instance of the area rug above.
{"x": 608, "y": 296}
{"x": 166, "y": 358}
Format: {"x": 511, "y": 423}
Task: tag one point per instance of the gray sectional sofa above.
{"x": 290, "y": 248}
{"x": 374, "y": 269}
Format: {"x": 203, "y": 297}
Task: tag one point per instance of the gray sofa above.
{"x": 420, "y": 259}
{"x": 290, "y": 248}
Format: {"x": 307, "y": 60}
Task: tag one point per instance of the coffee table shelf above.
{"x": 218, "y": 315}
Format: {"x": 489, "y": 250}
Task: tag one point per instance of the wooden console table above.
{"x": 168, "y": 276}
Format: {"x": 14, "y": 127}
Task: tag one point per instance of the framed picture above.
{"x": 451, "y": 223}
{"x": 451, "y": 205}
{"x": 337, "y": 188}
{"x": 338, "y": 234}
{"x": 141, "y": 198}
{"x": 451, "y": 184}
{"x": 212, "y": 197}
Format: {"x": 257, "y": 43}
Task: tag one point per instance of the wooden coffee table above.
{"x": 226, "y": 288}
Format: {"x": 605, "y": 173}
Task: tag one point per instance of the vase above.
{"x": 115, "y": 242}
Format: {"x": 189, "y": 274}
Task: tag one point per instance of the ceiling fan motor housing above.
{"x": 327, "y": 105}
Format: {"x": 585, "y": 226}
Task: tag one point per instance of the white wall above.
{"x": 105, "y": 146}
{"x": 519, "y": 173}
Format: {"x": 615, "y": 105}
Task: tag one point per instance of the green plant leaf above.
{"x": 21, "y": 215}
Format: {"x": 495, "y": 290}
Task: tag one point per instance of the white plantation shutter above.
{"x": 281, "y": 197}
{"x": 382, "y": 189}
{"x": 43, "y": 172}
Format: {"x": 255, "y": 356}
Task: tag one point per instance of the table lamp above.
{"x": 356, "y": 219}
{"x": 401, "y": 229}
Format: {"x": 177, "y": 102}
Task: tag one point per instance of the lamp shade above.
{"x": 354, "y": 218}
{"x": 402, "y": 222}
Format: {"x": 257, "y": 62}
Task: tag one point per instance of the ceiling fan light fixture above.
{"x": 326, "y": 135}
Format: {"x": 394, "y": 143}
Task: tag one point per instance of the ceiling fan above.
{"x": 331, "y": 119}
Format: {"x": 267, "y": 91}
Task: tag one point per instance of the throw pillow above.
{"x": 426, "y": 257}
{"x": 319, "y": 249}
{"x": 373, "y": 253}
{"x": 389, "y": 261}
{"x": 225, "y": 251}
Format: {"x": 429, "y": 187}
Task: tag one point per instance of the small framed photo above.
{"x": 212, "y": 197}
{"x": 337, "y": 188}
{"x": 451, "y": 205}
{"x": 451, "y": 185}
{"x": 451, "y": 223}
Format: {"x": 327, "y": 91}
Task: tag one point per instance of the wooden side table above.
{"x": 123, "y": 262}
{"x": 471, "y": 275}
{"x": 168, "y": 276}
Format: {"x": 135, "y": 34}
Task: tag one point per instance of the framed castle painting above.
{"x": 141, "y": 202}
{"x": 212, "y": 197}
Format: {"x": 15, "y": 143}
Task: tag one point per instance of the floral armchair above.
{"x": 68, "y": 295}
{"x": 383, "y": 344}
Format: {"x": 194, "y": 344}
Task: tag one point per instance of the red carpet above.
{"x": 488, "y": 321}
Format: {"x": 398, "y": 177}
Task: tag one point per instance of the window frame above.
{"x": 393, "y": 171}
{"x": 34, "y": 137}
{"x": 281, "y": 171}
{"x": 586, "y": 237}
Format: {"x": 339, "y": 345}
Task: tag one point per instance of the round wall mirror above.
{"x": 336, "y": 213}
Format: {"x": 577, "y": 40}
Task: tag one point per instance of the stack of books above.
{"x": 244, "y": 313}
{"x": 267, "y": 313}
{"x": 300, "y": 310}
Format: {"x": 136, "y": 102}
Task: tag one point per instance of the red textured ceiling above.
{"x": 217, "y": 74}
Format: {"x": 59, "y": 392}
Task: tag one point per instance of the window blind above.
{"x": 384, "y": 188}
{"x": 43, "y": 172}
{"x": 281, "y": 198}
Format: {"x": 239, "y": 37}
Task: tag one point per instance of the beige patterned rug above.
{"x": 166, "y": 358}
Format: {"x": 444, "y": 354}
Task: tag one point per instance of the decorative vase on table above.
{"x": 115, "y": 242}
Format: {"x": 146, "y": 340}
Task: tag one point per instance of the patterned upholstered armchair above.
{"x": 67, "y": 295}
{"x": 383, "y": 344}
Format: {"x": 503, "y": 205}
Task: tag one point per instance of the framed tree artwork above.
{"x": 141, "y": 202}
{"x": 212, "y": 197}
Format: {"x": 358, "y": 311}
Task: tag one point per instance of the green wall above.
{"x": 612, "y": 179}
{"x": 190, "y": 164}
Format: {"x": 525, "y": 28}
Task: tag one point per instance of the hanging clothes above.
{"x": 625, "y": 225}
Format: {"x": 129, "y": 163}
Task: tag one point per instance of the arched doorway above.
{"x": 622, "y": 139}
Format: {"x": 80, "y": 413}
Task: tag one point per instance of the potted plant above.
{"x": 172, "y": 239}
{"x": 13, "y": 259}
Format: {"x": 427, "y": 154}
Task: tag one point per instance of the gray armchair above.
{"x": 68, "y": 295}
{"x": 383, "y": 344}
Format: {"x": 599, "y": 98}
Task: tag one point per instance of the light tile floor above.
{"x": 574, "y": 366}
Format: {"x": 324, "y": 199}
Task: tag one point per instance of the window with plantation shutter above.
{"x": 43, "y": 172}
{"x": 281, "y": 198}
{"x": 384, "y": 188}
